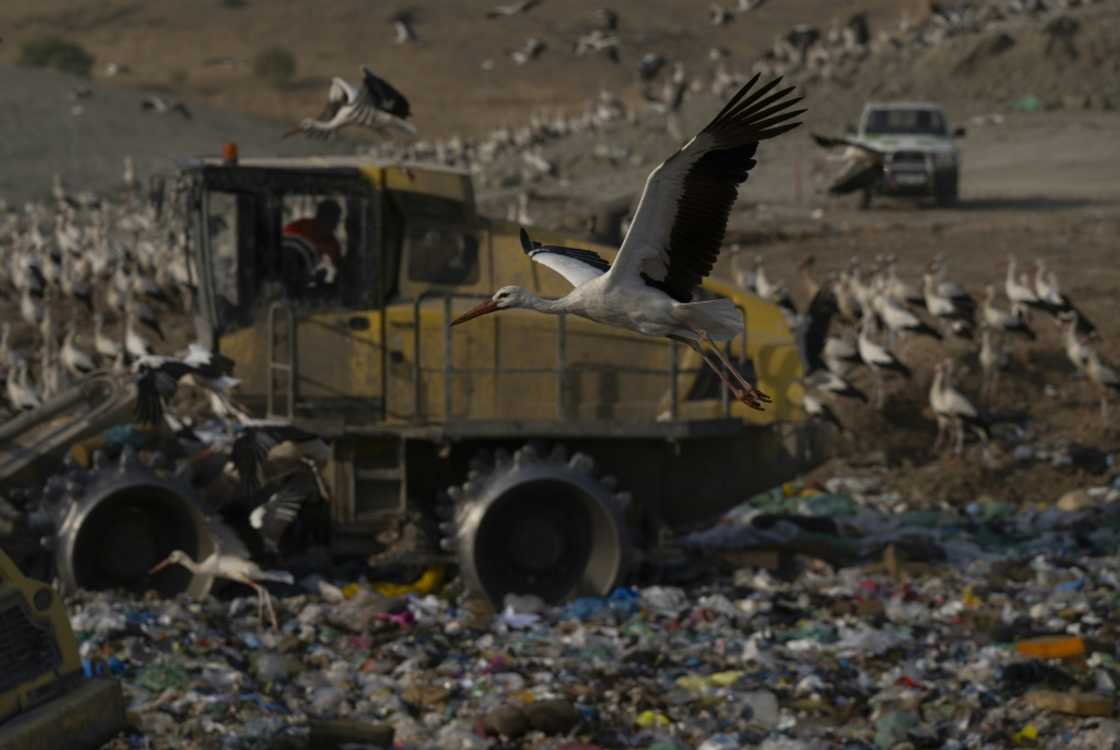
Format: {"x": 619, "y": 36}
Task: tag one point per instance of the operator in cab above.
{"x": 319, "y": 231}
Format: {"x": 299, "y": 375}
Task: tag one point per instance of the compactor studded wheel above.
{"x": 108, "y": 526}
{"x": 535, "y": 523}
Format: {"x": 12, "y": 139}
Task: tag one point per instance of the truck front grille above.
{"x": 908, "y": 158}
{"x": 27, "y": 649}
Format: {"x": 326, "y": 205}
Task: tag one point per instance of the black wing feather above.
{"x": 712, "y": 183}
{"x": 384, "y": 96}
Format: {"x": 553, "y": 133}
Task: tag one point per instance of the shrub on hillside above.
{"x": 275, "y": 65}
{"x": 58, "y": 53}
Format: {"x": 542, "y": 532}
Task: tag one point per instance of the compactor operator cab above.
{"x": 259, "y": 232}
{"x": 266, "y": 241}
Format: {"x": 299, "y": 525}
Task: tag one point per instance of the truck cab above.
{"x": 922, "y": 158}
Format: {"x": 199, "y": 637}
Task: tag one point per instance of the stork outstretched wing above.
{"x": 575, "y": 265}
{"x": 675, "y": 238}
{"x": 384, "y": 96}
{"x": 826, "y": 141}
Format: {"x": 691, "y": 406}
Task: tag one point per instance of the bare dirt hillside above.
{"x": 42, "y": 132}
{"x": 211, "y": 43}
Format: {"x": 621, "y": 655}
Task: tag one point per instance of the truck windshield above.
{"x": 904, "y": 122}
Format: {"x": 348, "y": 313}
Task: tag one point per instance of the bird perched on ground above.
{"x": 512, "y": 9}
{"x": 1001, "y": 320}
{"x": 953, "y": 409}
{"x": 161, "y": 106}
{"x": 820, "y": 411}
{"x": 21, "y": 394}
{"x": 1105, "y": 377}
{"x": 878, "y": 358}
{"x": 76, "y": 361}
{"x": 159, "y": 378}
{"x": 605, "y": 18}
{"x": 376, "y": 105}
{"x": 1019, "y": 291}
{"x": 993, "y": 358}
{"x": 233, "y": 568}
{"x": 1049, "y": 293}
{"x": 1076, "y": 349}
{"x": 830, "y": 382}
{"x": 672, "y": 243}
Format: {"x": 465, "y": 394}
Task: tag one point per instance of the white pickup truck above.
{"x": 921, "y": 158}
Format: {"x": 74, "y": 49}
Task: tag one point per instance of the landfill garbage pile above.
{"x": 805, "y": 618}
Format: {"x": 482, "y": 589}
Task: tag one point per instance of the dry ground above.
{"x": 442, "y": 74}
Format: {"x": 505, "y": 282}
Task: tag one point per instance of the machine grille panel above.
{"x": 908, "y": 158}
{"x": 27, "y": 650}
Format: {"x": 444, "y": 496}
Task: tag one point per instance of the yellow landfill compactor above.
{"x": 45, "y": 699}
{"x": 516, "y": 443}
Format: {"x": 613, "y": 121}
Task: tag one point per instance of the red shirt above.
{"x": 325, "y": 243}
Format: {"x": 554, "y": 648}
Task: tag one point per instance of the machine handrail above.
{"x": 290, "y": 367}
{"x": 559, "y": 369}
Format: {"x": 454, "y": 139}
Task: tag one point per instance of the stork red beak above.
{"x": 160, "y": 566}
{"x": 486, "y": 307}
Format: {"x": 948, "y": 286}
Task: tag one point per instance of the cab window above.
{"x": 440, "y": 255}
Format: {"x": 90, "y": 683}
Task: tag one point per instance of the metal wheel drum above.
{"x": 119, "y": 522}
{"x": 527, "y": 524}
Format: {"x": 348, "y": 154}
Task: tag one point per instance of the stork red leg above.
{"x": 752, "y": 392}
{"x": 739, "y": 393}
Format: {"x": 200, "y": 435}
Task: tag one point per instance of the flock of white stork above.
{"x": 120, "y": 264}
{"x": 125, "y": 264}
{"x": 881, "y": 310}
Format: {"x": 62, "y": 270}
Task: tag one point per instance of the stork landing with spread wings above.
{"x": 672, "y": 243}
{"x": 375, "y": 105}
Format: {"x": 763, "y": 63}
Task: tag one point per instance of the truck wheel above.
{"x": 535, "y": 524}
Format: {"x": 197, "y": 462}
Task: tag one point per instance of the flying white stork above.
{"x": 375, "y": 105}
{"x": 672, "y": 243}
{"x": 233, "y": 568}
{"x": 159, "y": 378}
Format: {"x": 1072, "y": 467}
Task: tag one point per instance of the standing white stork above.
{"x": 375, "y": 105}
{"x": 672, "y": 243}
{"x": 993, "y": 358}
{"x": 953, "y": 409}
{"x": 233, "y": 568}
{"x": 1076, "y": 349}
{"x": 1021, "y": 294}
{"x": 878, "y": 357}
{"x": 820, "y": 411}
{"x": 1001, "y": 320}
{"x": 1106, "y": 378}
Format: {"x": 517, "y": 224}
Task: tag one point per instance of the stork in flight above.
{"x": 863, "y": 166}
{"x": 672, "y": 243}
{"x": 375, "y": 105}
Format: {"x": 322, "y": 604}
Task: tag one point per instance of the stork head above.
{"x": 503, "y": 299}
{"x": 175, "y": 558}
